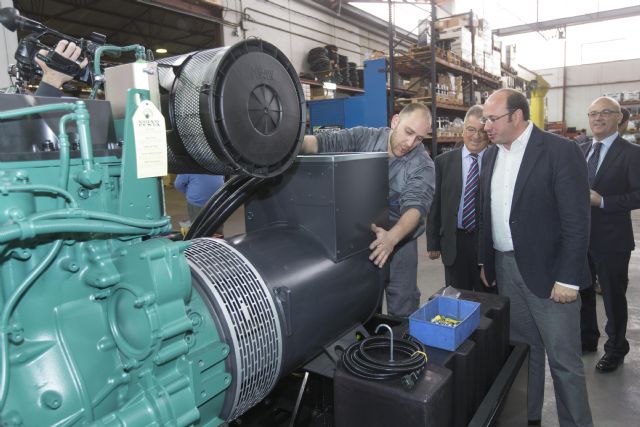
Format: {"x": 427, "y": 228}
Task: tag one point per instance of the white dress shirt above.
{"x": 503, "y": 181}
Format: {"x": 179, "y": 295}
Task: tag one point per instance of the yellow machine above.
{"x": 539, "y": 89}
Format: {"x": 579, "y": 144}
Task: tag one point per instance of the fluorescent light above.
{"x": 161, "y": 50}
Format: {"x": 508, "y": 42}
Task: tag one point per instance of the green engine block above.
{"x": 99, "y": 323}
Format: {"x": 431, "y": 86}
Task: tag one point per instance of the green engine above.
{"x": 97, "y": 314}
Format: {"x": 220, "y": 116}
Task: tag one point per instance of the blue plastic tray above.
{"x": 445, "y": 337}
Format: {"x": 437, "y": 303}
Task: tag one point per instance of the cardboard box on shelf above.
{"x": 468, "y": 19}
{"x": 615, "y": 95}
{"x": 306, "y": 89}
{"x": 509, "y": 57}
{"x": 496, "y": 69}
{"x": 326, "y": 91}
{"x": 424, "y": 33}
{"x": 497, "y": 43}
{"x": 459, "y": 41}
{"x": 631, "y": 96}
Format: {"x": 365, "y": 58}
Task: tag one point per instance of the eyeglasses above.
{"x": 493, "y": 119}
{"x": 471, "y": 131}
{"x": 604, "y": 113}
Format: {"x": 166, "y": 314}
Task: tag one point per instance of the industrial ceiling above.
{"x": 177, "y": 26}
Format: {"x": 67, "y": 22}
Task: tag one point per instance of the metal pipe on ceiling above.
{"x": 605, "y": 15}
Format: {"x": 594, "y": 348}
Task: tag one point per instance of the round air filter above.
{"x": 240, "y": 107}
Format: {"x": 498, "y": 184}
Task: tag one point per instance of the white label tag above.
{"x": 151, "y": 141}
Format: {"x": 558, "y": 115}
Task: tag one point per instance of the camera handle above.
{"x": 57, "y": 62}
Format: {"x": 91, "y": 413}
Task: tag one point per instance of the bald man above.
{"x": 411, "y": 187}
{"x": 615, "y": 191}
{"x": 534, "y": 234}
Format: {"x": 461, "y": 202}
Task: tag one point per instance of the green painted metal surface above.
{"x": 100, "y": 325}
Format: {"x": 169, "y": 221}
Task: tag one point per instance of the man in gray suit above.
{"x": 452, "y": 220}
{"x": 534, "y": 235}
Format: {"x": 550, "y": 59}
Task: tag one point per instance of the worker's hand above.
{"x": 55, "y": 78}
{"x": 484, "y": 279}
{"x": 381, "y": 247}
{"x": 563, "y": 294}
{"x": 433, "y": 254}
{"x": 596, "y": 199}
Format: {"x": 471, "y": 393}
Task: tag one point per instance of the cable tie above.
{"x": 422, "y": 353}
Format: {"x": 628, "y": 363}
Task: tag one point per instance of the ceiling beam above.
{"x": 187, "y": 46}
{"x": 605, "y": 15}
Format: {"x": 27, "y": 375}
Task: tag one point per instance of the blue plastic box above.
{"x": 445, "y": 337}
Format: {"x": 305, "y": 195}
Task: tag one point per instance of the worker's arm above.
{"x": 309, "y": 145}
{"x": 386, "y": 241}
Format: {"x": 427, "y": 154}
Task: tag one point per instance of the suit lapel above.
{"x": 586, "y": 147}
{"x": 486, "y": 171}
{"x": 614, "y": 151}
{"x": 531, "y": 154}
{"x": 457, "y": 174}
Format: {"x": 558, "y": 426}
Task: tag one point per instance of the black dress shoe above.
{"x": 586, "y": 349}
{"x": 534, "y": 423}
{"x": 609, "y": 362}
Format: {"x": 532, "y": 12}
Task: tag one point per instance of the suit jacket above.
{"x": 618, "y": 181}
{"x": 442, "y": 221}
{"x": 549, "y": 218}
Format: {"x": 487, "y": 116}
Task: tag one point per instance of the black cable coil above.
{"x": 368, "y": 359}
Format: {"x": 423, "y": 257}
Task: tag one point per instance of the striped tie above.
{"x": 592, "y": 163}
{"x": 470, "y": 192}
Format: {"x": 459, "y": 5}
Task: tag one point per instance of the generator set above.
{"x": 110, "y": 318}
{"x": 105, "y": 320}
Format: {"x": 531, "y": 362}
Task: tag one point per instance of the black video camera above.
{"x": 29, "y": 47}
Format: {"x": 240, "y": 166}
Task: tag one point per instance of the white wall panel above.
{"x": 296, "y": 27}
{"x": 584, "y": 84}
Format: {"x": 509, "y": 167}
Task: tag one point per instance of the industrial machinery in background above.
{"x": 104, "y": 321}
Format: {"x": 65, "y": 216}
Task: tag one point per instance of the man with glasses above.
{"x": 614, "y": 179}
{"x": 411, "y": 183}
{"x": 452, "y": 220}
{"x": 534, "y": 234}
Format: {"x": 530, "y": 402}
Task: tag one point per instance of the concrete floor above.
{"x": 614, "y": 397}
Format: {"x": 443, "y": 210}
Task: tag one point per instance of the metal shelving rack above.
{"x": 431, "y": 60}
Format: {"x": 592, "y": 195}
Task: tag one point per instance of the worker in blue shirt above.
{"x": 198, "y": 189}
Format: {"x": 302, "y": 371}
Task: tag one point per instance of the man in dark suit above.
{"x": 534, "y": 234}
{"x": 614, "y": 177}
{"x": 452, "y": 220}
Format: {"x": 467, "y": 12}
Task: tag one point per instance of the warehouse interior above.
{"x": 121, "y": 308}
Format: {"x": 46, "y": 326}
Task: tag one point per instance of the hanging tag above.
{"x": 151, "y": 141}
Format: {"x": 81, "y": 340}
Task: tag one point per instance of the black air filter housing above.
{"x": 237, "y": 109}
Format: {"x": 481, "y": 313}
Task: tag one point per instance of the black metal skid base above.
{"x": 466, "y": 387}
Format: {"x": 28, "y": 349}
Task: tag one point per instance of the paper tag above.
{"x": 151, "y": 141}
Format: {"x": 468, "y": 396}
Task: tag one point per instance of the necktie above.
{"x": 470, "y": 193}
{"x": 592, "y": 164}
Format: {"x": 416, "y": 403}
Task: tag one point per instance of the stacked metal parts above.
{"x": 104, "y": 321}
